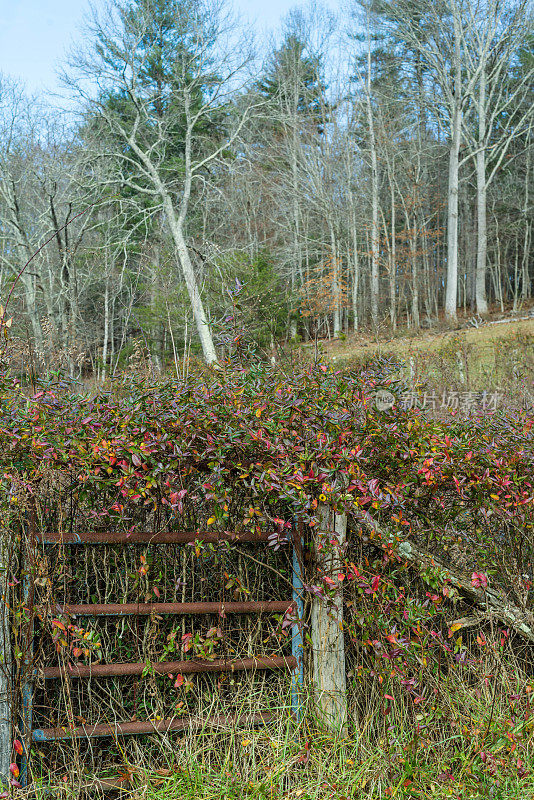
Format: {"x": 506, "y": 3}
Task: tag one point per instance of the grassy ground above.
{"x": 279, "y": 765}
{"x": 436, "y": 752}
{"x": 473, "y": 359}
{"x": 486, "y": 336}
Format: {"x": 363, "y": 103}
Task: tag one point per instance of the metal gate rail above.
{"x": 147, "y": 537}
{"x": 145, "y": 609}
{"x": 157, "y": 726}
{"x": 189, "y": 667}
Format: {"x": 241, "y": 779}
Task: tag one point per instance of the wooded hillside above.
{"x": 373, "y": 168}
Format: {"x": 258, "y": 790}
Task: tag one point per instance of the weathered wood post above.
{"x": 5, "y": 665}
{"x": 329, "y": 676}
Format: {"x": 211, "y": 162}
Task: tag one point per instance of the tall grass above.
{"x": 474, "y": 741}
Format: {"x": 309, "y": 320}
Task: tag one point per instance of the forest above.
{"x": 367, "y": 170}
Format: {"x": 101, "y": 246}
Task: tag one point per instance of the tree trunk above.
{"x": 525, "y": 282}
{"x": 392, "y": 265}
{"x": 106, "y": 328}
{"x": 452, "y": 200}
{"x": 374, "y": 224}
{"x": 374, "y": 193}
{"x": 296, "y": 266}
{"x": 516, "y": 274}
{"x": 451, "y": 291}
{"x": 336, "y": 284}
{"x": 203, "y": 328}
{"x": 482, "y": 229}
{"x": 415, "y": 277}
{"x": 356, "y": 273}
{"x": 30, "y": 297}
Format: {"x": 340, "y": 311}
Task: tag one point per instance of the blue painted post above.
{"x": 27, "y": 687}
{"x": 297, "y": 642}
{"x": 27, "y": 709}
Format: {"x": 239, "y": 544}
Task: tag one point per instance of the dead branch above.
{"x": 489, "y": 599}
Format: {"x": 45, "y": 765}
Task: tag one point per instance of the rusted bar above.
{"x": 147, "y": 537}
{"x": 184, "y": 667}
{"x": 120, "y": 609}
{"x": 158, "y": 726}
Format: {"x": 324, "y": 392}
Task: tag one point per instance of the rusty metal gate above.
{"x": 293, "y": 663}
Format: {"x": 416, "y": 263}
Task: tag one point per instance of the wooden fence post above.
{"x": 327, "y": 625}
{"x": 5, "y": 667}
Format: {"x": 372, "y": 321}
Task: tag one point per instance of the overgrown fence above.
{"x": 115, "y": 627}
{"x": 233, "y": 489}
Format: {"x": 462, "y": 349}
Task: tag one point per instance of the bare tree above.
{"x": 375, "y": 254}
{"x": 20, "y": 229}
{"x": 493, "y": 33}
{"x": 168, "y": 72}
{"x": 435, "y": 32}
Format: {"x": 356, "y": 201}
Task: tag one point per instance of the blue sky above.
{"x": 34, "y": 34}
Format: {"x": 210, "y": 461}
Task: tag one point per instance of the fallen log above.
{"x": 491, "y": 600}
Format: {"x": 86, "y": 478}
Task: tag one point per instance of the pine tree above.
{"x": 294, "y": 82}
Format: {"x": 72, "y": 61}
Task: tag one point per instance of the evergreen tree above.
{"x": 294, "y": 82}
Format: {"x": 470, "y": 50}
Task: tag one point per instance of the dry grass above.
{"x": 492, "y": 357}
{"x": 357, "y": 346}
{"x": 433, "y": 751}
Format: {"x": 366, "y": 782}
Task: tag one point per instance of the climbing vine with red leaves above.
{"x": 283, "y": 442}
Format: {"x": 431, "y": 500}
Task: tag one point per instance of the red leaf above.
{"x": 304, "y": 755}
{"x": 479, "y": 579}
{"x": 373, "y": 486}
